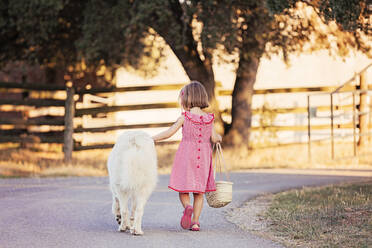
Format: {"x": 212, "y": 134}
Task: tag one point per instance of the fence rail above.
{"x": 110, "y": 109}
{"x": 28, "y": 86}
{"x": 48, "y": 120}
{"x": 40, "y": 102}
{"x": 32, "y": 138}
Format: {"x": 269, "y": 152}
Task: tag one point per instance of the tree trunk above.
{"x": 238, "y": 132}
{"x": 241, "y": 110}
{"x": 194, "y": 66}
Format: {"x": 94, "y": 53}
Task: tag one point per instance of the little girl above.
{"x": 192, "y": 170}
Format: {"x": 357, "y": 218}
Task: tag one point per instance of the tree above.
{"x": 45, "y": 33}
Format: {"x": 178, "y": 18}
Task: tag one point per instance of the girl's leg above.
{"x": 185, "y": 199}
{"x": 187, "y": 213}
{"x": 198, "y": 205}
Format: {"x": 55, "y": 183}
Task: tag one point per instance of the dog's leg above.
{"x": 123, "y": 201}
{"x": 140, "y": 202}
{"x": 133, "y": 209}
{"x": 116, "y": 209}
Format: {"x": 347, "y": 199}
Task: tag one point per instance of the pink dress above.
{"x": 192, "y": 168}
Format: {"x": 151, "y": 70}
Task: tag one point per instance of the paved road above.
{"x": 76, "y": 212}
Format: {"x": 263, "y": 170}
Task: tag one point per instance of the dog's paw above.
{"x": 118, "y": 219}
{"x": 123, "y": 228}
{"x": 136, "y": 232}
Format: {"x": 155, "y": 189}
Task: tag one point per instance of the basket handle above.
{"x": 219, "y": 159}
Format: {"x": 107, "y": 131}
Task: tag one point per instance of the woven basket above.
{"x": 223, "y": 194}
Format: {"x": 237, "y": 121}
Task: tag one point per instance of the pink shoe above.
{"x": 195, "y": 228}
{"x": 186, "y": 218}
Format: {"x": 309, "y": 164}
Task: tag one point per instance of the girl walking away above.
{"x": 192, "y": 170}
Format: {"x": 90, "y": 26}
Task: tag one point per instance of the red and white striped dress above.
{"x": 192, "y": 168}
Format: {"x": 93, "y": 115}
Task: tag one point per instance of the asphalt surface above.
{"x": 76, "y": 212}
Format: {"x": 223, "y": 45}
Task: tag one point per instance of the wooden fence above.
{"x": 17, "y": 128}
{"x": 360, "y": 110}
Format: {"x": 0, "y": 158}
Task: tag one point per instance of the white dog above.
{"x": 132, "y": 167}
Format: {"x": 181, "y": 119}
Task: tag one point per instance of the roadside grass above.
{"x": 4, "y": 177}
{"x": 330, "y": 216}
{"x": 47, "y": 160}
{"x": 41, "y": 162}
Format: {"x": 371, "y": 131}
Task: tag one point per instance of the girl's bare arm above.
{"x": 216, "y": 138}
{"x": 170, "y": 131}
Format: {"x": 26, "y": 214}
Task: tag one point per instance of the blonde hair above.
{"x": 193, "y": 95}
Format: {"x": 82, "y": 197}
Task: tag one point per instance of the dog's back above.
{"x": 132, "y": 164}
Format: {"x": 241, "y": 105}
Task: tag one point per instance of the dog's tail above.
{"x": 133, "y": 143}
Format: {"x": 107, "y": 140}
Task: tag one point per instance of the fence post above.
{"x": 370, "y": 120}
{"x": 25, "y": 95}
{"x": 308, "y": 129}
{"x": 332, "y": 130}
{"x": 68, "y": 141}
{"x": 363, "y": 120}
{"x": 354, "y": 126}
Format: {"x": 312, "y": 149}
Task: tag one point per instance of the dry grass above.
{"x": 296, "y": 156}
{"x": 331, "y": 216}
{"x": 48, "y": 161}
{"x": 38, "y": 161}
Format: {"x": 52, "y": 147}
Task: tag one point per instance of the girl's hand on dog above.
{"x": 219, "y": 138}
{"x": 216, "y": 137}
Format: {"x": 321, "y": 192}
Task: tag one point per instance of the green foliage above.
{"x": 117, "y": 32}
{"x": 281, "y": 27}
{"x": 277, "y": 7}
{"x": 350, "y": 14}
{"x": 40, "y": 31}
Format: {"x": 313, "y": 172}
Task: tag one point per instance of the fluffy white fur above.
{"x": 132, "y": 167}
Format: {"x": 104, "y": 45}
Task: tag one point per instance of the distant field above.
{"x": 15, "y": 161}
